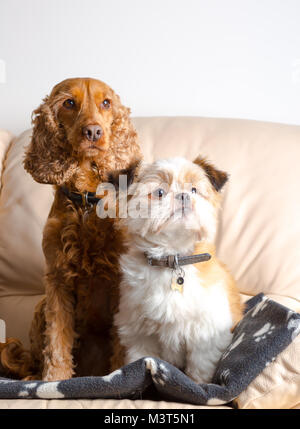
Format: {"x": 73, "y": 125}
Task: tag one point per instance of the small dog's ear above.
{"x": 130, "y": 172}
{"x": 217, "y": 177}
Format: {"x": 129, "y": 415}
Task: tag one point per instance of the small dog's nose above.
{"x": 183, "y": 197}
{"x": 92, "y": 132}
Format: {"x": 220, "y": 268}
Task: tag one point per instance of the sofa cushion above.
{"x": 17, "y": 311}
{"x": 96, "y": 404}
{"x": 278, "y": 386}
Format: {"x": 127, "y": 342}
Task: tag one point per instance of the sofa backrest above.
{"x": 259, "y": 228}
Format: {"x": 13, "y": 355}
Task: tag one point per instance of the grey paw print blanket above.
{"x": 266, "y": 329}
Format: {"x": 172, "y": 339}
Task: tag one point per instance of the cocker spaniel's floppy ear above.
{"x": 123, "y": 133}
{"x": 217, "y": 177}
{"x": 131, "y": 173}
{"x": 48, "y": 156}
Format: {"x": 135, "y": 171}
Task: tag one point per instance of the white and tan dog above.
{"x": 183, "y": 314}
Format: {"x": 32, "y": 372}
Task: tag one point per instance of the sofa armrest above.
{"x": 5, "y": 140}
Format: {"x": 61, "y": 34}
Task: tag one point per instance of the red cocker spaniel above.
{"x": 81, "y": 133}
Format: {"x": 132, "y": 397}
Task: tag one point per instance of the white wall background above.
{"x": 229, "y": 58}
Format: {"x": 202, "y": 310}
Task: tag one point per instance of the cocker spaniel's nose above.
{"x": 92, "y": 132}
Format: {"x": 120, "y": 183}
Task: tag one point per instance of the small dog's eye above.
{"x": 159, "y": 193}
{"x": 105, "y": 104}
{"x": 69, "y": 104}
{"x": 194, "y": 191}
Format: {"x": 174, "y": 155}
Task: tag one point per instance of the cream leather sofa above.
{"x": 258, "y": 238}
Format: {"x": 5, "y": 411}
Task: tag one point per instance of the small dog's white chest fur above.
{"x": 189, "y": 329}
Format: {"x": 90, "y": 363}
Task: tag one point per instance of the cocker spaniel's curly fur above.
{"x": 81, "y": 132}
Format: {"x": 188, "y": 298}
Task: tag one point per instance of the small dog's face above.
{"x": 175, "y": 199}
{"x": 84, "y": 108}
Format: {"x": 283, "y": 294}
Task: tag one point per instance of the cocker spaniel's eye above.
{"x": 69, "y": 103}
{"x": 105, "y": 104}
{"x": 159, "y": 193}
{"x": 194, "y": 190}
